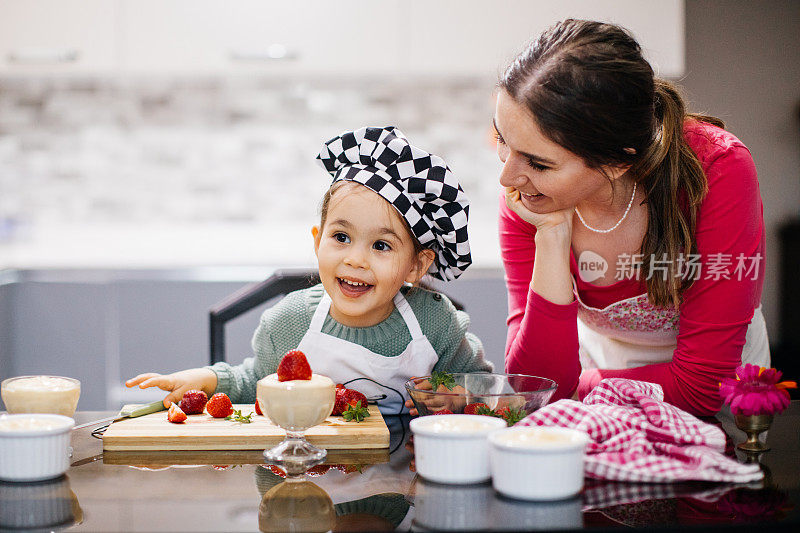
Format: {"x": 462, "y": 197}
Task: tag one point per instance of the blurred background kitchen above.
{"x": 157, "y": 155}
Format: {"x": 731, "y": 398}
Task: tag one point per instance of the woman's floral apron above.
{"x": 633, "y": 332}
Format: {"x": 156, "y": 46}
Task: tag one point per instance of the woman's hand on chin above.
{"x": 557, "y": 221}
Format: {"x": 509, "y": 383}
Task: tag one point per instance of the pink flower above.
{"x": 747, "y": 505}
{"x": 756, "y": 391}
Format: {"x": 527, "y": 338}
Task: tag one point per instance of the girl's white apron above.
{"x": 633, "y": 332}
{"x": 343, "y": 360}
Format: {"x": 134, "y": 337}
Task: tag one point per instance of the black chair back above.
{"x": 282, "y": 282}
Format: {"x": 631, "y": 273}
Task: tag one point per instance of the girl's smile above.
{"x": 353, "y": 288}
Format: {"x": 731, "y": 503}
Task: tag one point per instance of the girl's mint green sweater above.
{"x": 284, "y": 325}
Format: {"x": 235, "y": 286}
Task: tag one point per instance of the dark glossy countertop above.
{"x": 369, "y": 490}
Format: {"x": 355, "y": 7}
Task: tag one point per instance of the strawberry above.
{"x": 278, "y": 471}
{"x": 344, "y": 397}
{"x": 294, "y": 365}
{"x": 175, "y": 415}
{"x": 316, "y": 471}
{"x": 443, "y": 412}
{"x": 355, "y": 411}
{"x": 258, "y": 409}
{"x": 193, "y": 402}
{"x": 349, "y": 469}
{"x": 473, "y": 408}
{"x": 511, "y": 416}
{"x": 219, "y": 406}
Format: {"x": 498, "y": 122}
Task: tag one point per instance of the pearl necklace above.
{"x": 615, "y": 226}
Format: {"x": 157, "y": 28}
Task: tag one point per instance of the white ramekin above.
{"x": 35, "y": 454}
{"x": 453, "y": 508}
{"x": 529, "y": 469}
{"x": 44, "y": 505}
{"x": 514, "y": 514}
{"x": 445, "y": 454}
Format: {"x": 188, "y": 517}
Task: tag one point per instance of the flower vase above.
{"x": 753, "y": 426}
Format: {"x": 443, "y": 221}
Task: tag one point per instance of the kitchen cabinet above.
{"x": 308, "y": 37}
{"x": 479, "y": 37}
{"x": 256, "y": 36}
{"x": 58, "y": 36}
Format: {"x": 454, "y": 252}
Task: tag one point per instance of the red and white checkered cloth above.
{"x": 636, "y": 436}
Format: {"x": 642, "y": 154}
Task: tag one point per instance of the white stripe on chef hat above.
{"x": 418, "y": 184}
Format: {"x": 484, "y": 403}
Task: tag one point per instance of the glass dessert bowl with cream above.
{"x": 41, "y": 394}
{"x": 296, "y": 405}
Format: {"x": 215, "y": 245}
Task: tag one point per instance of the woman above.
{"x": 631, "y": 231}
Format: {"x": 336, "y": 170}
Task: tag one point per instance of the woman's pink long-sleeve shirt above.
{"x": 543, "y": 336}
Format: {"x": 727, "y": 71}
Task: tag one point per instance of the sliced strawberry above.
{"x": 219, "y": 406}
{"x": 258, "y": 408}
{"x": 193, "y": 402}
{"x": 443, "y": 412}
{"x": 175, "y": 415}
{"x": 473, "y": 408}
{"x": 294, "y": 365}
{"x": 339, "y": 404}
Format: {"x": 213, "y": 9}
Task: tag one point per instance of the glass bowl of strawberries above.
{"x": 511, "y": 397}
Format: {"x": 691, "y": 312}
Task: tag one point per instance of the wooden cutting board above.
{"x": 160, "y": 458}
{"x": 202, "y": 432}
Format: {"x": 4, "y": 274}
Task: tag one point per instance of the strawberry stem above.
{"x": 355, "y": 412}
{"x": 441, "y": 378}
{"x": 237, "y": 416}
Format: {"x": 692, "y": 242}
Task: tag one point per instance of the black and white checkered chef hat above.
{"x": 419, "y": 185}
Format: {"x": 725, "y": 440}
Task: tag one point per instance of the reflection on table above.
{"x": 371, "y": 490}
{"x": 50, "y": 505}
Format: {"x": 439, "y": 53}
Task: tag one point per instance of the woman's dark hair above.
{"x": 591, "y": 91}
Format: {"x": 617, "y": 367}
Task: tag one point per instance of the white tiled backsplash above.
{"x": 93, "y": 169}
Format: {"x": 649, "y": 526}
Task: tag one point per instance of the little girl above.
{"x": 393, "y": 213}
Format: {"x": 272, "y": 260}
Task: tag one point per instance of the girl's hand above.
{"x": 177, "y": 383}
{"x": 409, "y": 445}
{"x": 445, "y": 402}
{"x": 557, "y": 220}
{"x": 411, "y": 409}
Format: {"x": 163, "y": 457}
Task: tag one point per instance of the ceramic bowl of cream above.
{"x": 453, "y": 448}
{"x": 537, "y": 462}
{"x": 34, "y": 447}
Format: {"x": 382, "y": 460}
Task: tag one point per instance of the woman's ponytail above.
{"x": 676, "y": 185}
